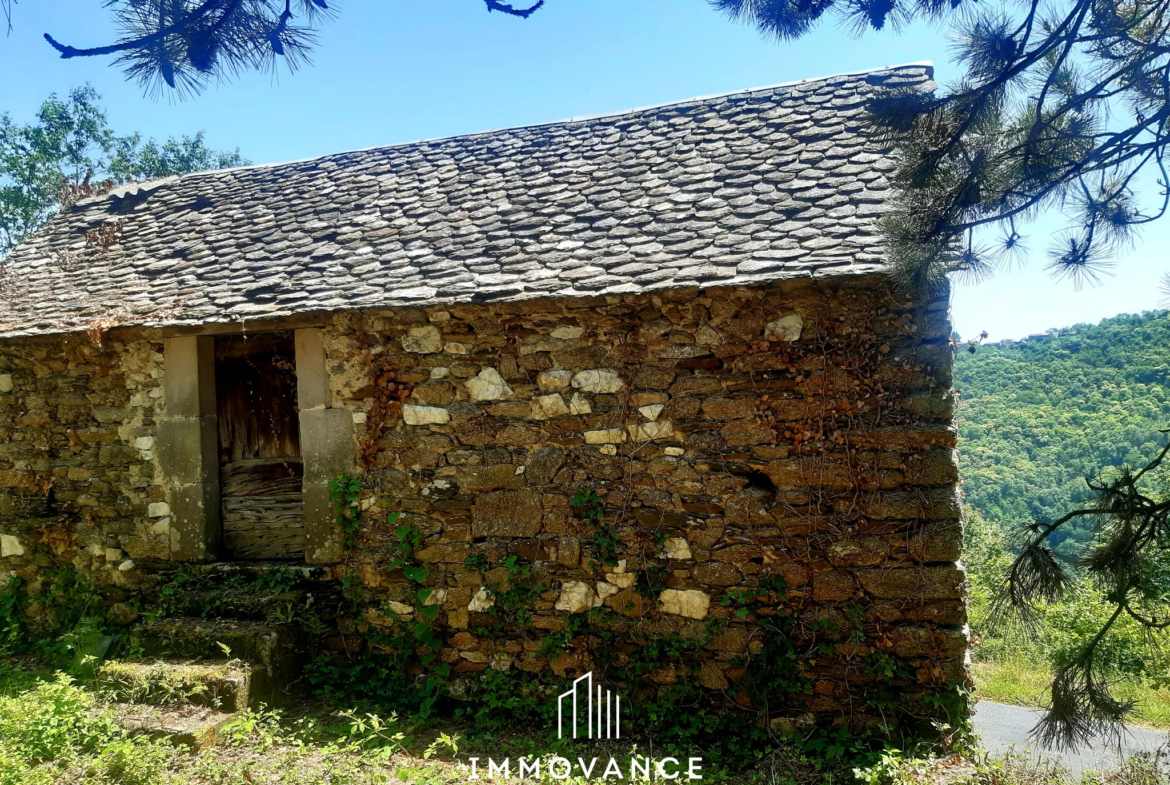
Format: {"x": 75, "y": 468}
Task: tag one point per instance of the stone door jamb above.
{"x": 188, "y": 439}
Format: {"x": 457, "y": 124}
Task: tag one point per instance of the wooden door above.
{"x": 259, "y": 447}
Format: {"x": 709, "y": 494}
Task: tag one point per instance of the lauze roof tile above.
{"x": 742, "y": 188}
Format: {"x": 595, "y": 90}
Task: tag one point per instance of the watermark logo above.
{"x": 588, "y": 711}
{"x": 601, "y": 714}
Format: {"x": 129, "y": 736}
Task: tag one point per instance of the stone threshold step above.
{"x": 232, "y": 603}
{"x": 257, "y": 568}
{"x": 198, "y": 727}
{"x": 224, "y": 686}
{"x": 269, "y": 649}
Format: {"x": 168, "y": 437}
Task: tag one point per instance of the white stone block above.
{"x": 606, "y": 590}
{"x": 399, "y": 608}
{"x": 674, "y": 452}
{"x": 598, "y": 380}
{"x": 10, "y": 546}
{"x": 546, "y": 407}
{"x": 488, "y": 386}
{"x": 651, "y": 430}
{"x": 554, "y": 381}
{"x": 706, "y": 336}
{"x": 436, "y": 597}
{"x": 651, "y": 411}
{"x": 677, "y": 548}
{"x": 577, "y": 597}
{"x": 691, "y": 603}
{"x": 606, "y": 436}
{"x": 785, "y": 328}
{"x": 425, "y": 415}
{"x": 567, "y": 333}
{"x": 6, "y": 385}
{"x": 422, "y": 340}
{"x": 482, "y": 600}
{"x": 580, "y": 405}
{"x": 621, "y": 579}
{"x": 144, "y": 443}
{"x": 158, "y": 510}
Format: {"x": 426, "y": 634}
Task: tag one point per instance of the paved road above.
{"x": 1002, "y": 726}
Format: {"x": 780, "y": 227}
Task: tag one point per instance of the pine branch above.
{"x": 508, "y": 8}
{"x": 141, "y": 42}
{"x": 1132, "y": 530}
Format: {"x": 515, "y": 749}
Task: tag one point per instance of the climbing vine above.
{"x": 345, "y": 492}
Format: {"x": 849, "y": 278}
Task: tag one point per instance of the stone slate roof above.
{"x": 741, "y": 188}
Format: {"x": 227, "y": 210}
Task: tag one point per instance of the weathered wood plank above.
{"x": 285, "y": 543}
{"x": 262, "y": 512}
{"x": 256, "y": 397}
{"x": 263, "y": 477}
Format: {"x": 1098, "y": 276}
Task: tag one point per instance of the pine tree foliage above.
{"x": 179, "y": 47}
{"x": 186, "y": 44}
{"x": 1129, "y": 563}
{"x": 1062, "y": 103}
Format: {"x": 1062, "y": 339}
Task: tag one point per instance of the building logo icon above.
{"x": 595, "y": 716}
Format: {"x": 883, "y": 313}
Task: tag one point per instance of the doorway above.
{"x": 260, "y": 466}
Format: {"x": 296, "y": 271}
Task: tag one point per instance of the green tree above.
{"x": 1037, "y": 417}
{"x": 69, "y": 151}
{"x": 1128, "y": 566}
{"x": 137, "y": 160}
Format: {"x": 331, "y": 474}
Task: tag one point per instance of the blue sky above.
{"x": 391, "y": 71}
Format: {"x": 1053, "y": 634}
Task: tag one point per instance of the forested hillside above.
{"x": 1037, "y": 416}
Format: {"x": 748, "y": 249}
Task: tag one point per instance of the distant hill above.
{"x": 1035, "y": 417}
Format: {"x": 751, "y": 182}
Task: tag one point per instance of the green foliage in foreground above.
{"x": 1062, "y": 628}
{"x": 1016, "y": 768}
{"x": 1019, "y": 680}
{"x": 54, "y": 730}
{"x": 1037, "y": 417}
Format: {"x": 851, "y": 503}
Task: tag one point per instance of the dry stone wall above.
{"x": 579, "y": 479}
{"x": 78, "y": 476}
{"x": 784, "y": 451}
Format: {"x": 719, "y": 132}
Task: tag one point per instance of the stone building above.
{"x": 647, "y": 363}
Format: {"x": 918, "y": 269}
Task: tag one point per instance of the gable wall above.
{"x": 851, "y": 421}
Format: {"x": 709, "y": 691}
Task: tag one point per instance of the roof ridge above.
{"x": 928, "y": 64}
